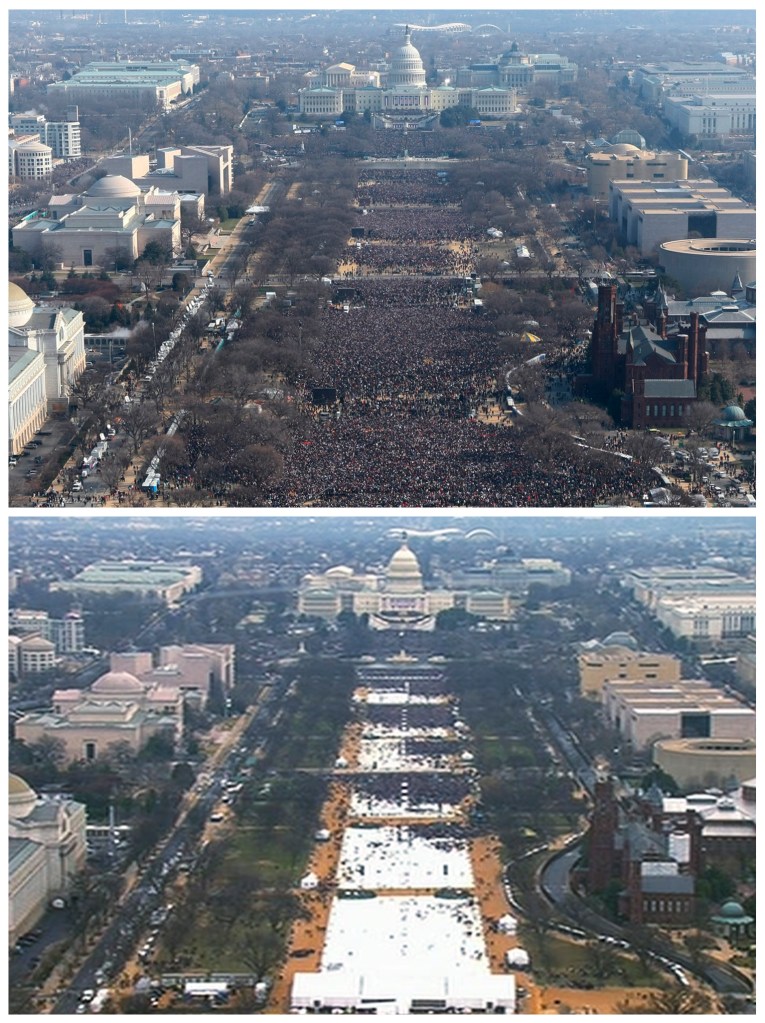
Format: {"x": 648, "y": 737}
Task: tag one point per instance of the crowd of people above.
{"x": 422, "y": 715}
{"x": 386, "y": 353}
{"x": 404, "y": 187}
{"x": 407, "y": 257}
{"x": 414, "y": 788}
{"x": 387, "y": 457}
{"x": 424, "y": 224}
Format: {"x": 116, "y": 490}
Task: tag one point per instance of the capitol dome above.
{"x": 113, "y": 186}
{"x": 406, "y": 69}
{"x": 117, "y": 683}
{"x": 20, "y": 306}
{"x": 403, "y": 574}
{"x": 22, "y": 798}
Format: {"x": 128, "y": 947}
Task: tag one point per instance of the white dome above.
{"x": 20, "y": 306}
{"x": 407, "y": 69}
{"x": 113, "y": 186}
{"x": 403, "y": 574}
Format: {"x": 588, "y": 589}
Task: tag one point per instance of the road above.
{"x": 117, "y": 944}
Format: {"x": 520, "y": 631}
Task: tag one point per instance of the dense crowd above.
{"x": 405, "y": 187}
{"x": 407, "y": 359}
{"x": 386, "y": 457}
{"x": 428, "y": 715}
{"x": 406, "y": 293}
{"x": 417, "y": 225}
{"x": 410, "y": 258}
{"x": 420, "y": 787}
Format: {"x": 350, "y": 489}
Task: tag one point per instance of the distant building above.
{"x": 648, "y": 213}
{"x": 67, "y": 633}
{"x": 657, "y": 371}
{"x": 713, "y": 115}
{"x": 111, "y": 218}
{"x": 47, "y": 849}
{"x": 651, "y": 585}
{"x": 729, "y": 316}
{"x": 708, "y": 619}
{"x": 63, "y": 137}
{"x": 705, "y": 763}
{"x": 193, "y": 669}
{"x": 160, "y": 579}
{"x": 621, "y": 161}
{"x": 30, "y": 655}
{"x": 514, "y": 576}
{"x": 29, "y": 159}
{"x": 657, "y": 81}
{"x": 117, "y": 708}
{"x": 400, "y": 96}
{"x": 157, "y": 82}
{"x": 724, "y": 826}
{"x": 201, "y": 170}
{"x": 612, "y": 659}
{"x": 518, "y": 70}
{"x": 647, "y": 711}
{"x": 746, "y": 661}
{"x": 654, "y": 868}
{"x": 396, "y": 599}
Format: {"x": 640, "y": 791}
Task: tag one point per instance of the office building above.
{"x": 29, "y": 159}
{"x": 160, "y": 579}
{"x": 648, "y": 213}
{"x": 199, "y": 170}
{"x": 152, "y": 83}
{"x": 646, "y": 711}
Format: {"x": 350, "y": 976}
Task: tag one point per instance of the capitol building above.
{"x": 399, "y": 97}
{"x": 395, "y": 598}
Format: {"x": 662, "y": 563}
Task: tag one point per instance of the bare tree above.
{"x": 645, "y": 448}
{"x": 701, "y": 415}
{"x": 137, "y": 422}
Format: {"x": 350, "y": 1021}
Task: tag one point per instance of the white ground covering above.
{"x": 397, "y": 699}
{"x": 388, "y": 934}
{"x": 372, "y": 731}
{"x": 396, "y": 857}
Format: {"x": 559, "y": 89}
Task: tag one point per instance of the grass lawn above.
{"x": 263, "y": 851}
{"x": 495, "y": 751}
{"x": 567, "y": 963}
{"x": 227, "y": 226}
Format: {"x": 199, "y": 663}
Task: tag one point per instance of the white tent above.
{"x": 309, "y": 881}
{"x": 507, "y": 924}
{"x": 518, "y": 958}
